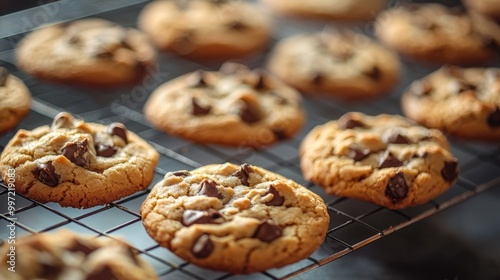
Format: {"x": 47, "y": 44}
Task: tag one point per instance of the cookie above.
{"x": 385, "y": 159}
{"x": 338, "y": 63}
{"x": 78, "y": 164}
{"x": 464, "y": 102}
{"x": 435, "y": 33}
{"x": 239, "y": 219}
{"x": 346, "y": 10}
{"x": 234, "y": 106}
{"x": 66, "y": 255}
{"x": 206, "y": 29}
{"x": 486, "y": 7}
{"x": 15, "y": 100}
{"x": 87, "y": 52}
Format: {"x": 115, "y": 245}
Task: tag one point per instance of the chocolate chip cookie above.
{"x": 87, "y": 52}
{"x": 234, "y": 106}
{"x": 384, "y": 159}
{"x": 346, "y": 10}
{"x": 206, "y": 29}
{"x": 338, "y": 63}
{"x": 464, "y": 102}
{"x": 435, "y": 33}
{"x": 78, "y": 164}
{"x": 66, "y": 255}
{"x": 15, "y": 100}
{"x": 239, "y": 219}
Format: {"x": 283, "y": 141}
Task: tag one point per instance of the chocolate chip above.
{"x": 63, "y": 120}
{"x": 4, "y": 74}
{"x": 397, "y": 188}
{"x": 421, "y": 88}
{"x": 358, "y": 153}
{"x": 198, "y": 109}
{"x": 104, "y": 150}
{"x": 261, "y": 81}
{"x": 267, "y": 231}
{"x": 75, "y": 152}
{"x": 50, "y": 271}
{"x": 494, "y": 118}
{"x": 202, "y": 247}
{"x": 374, "y": 73}
{"x": 102, "y": 272}
{"x": 248, "y": 113}
{"x": 81, "y": 246}
{"x": 277, "y": 200}
{"x": 232, "y": 68}
{"x": 316, "y": 78}
{"x": 118, "y": 129}
{"x": 236, "y": 25}
{"x": 182, "y": 173}
{"x": 450, "y": 171}
{"x": 456, "y": 87}
{"x": 397, "y": 138}
{"x": 389, "y": 160}
{"x": 243, "y": 173}
{"x": 191, "y": 217}
{"x": 209, "y": 188}
{"x": 279, "y": 133}
{"x": 46, "y": 173}
{"x": 197, "y": 79}
{"x": 347, "y": 122}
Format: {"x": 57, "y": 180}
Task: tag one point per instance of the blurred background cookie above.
{"x": 15, "y": 100}
{"x": 487, "y": 7}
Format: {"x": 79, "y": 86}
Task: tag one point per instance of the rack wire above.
{"x": 353, "y": 225}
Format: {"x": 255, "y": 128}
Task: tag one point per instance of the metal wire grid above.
{"x": 353, "y": 223}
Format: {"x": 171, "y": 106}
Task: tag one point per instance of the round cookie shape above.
{"x": 66, "y": 255}
{"x": 435, "y": 33}
{"x": 206, "y": 29}
{"x": 385, "y": 159}
{"x": 338, "y": 63}
{"x": 91, "y": 52}
{"x": 346, "y": 10}
{"x": 15, "y": 100}
{"x": 464, "y": 102}
{"x": 234, "y": 106}
{"x": 239, "y": 219}
{"x": 486, "y": 7}
{"x": 78, "y": 164}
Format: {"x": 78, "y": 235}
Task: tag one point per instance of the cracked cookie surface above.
{"x": 65, "y": 255}
{"x": 78, "y": 164}
{"x": 206, "y": 28}
{"x": 338, "y": 63}
{"x": 234, "y": 106}
{"x": 15, "y": 100}
{"x": 239, "y": 219}
{"x": 86, "y": 52}
{"x": 385, "y": 159}
{"x": 464, "y": 102}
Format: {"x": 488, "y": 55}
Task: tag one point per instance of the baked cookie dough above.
{"x": 66, "y": 255}
{"x": 234, "y": 106}
{"x": 15, "y": 100}
{"x": 86, "y": 52}
{"x": 78, "y": 164}
{"x": 435, "y": 33}
{"x": 464, "y": 102}
{"x": 239, "y": 219}
{"x": 206, "y": 29}
{"x": 338, "y": 63}
{"x": 486, "y": 7}
{"x": 384, "y": 159}
{"x": 346, "y": 10}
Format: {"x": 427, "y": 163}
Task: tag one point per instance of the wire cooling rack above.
{"x": 354, "y": 223}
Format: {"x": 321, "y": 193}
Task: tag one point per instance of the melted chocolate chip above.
{"x": 358, "y": 153}
{"x": 397, "y": 188}
{"x": 63, "y": 120}
{"x": 104, "y": 150}
{"x": 243, "y": 173}
{"x": 261, "y": 81}
{"x": 209, "y": 188}
{"x": 450, "y": 171}
{"x": 374, "y": 73}
{"x": 236, "y": 25}
{"x": 389, "y": 160}
{"x": 277, "y": 200}
{"x": 191, "y": 217}
{"x": 202, "y": 247}
{"x": 279, "y": 134}
{"x": 494, "y": 118}
{"x": 50, "y": 271}
{"x": 4, "y": 73}
{"x": 347, "y": 122}
{"x": 267, "y": 231}
{"x": 46, "y": 173}
{"x": 197, "y": 79}
{"x": 397, "y": 138}
{"x": 182, "y": 173}
{"x": 420, "y": 88}
{"x": 248, "y": 113}
{"x": 118, "y": 129}
{"x": 316, "y": 78}
{"x": 456, "y": 87}
{"x": 102, "y": 272}
{"x": 198, "y": 109}
{"x": 75, "y": 152}
{"x": 81, "y": 246}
